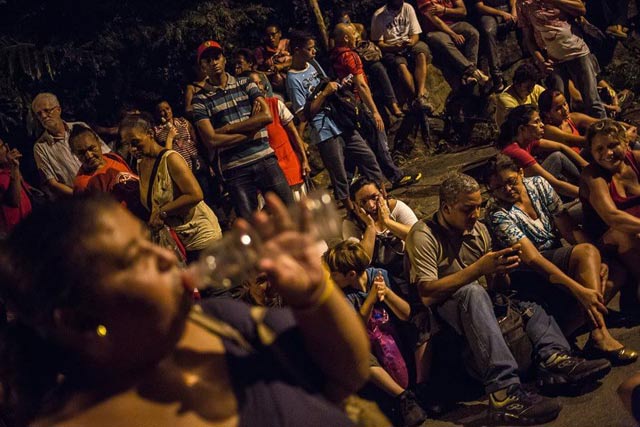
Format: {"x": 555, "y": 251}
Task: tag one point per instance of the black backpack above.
{"x": 343, "y": 107}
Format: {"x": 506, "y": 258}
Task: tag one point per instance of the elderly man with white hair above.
{"x": 56, "y": 163}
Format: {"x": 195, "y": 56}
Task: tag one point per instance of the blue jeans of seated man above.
{"x": 244, "y": 182}
{"x": 469, "y": 311}
{"x": 583, "y": 71}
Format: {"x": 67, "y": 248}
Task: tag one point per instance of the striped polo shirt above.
{"x": 228, "y": 105}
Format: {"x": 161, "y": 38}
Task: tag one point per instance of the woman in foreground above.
{"x": 114, "y": 337}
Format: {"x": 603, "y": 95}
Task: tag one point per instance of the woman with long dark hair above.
{"x": 521, "y": 139}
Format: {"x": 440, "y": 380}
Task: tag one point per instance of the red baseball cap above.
{"x": 209, "y": 44}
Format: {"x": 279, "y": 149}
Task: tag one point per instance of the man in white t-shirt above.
{"x": 396, "y": 30}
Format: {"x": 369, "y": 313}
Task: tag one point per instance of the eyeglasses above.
{"x": 509, "y": 183}
{"x": 46, "y": 111}
{"x": 273, "y": 34}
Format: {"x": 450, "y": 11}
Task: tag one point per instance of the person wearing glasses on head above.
{"x": 526, "y": 211}
{"x": 55, "y": 162}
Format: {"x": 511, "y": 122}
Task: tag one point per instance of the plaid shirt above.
{"x": 228, "y": 105}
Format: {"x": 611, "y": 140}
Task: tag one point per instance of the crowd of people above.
{"x": 103, "y": 321}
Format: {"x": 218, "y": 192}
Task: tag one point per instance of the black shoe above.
{"x": 621, "y": 356}
{"x": 561, "y": 368}
{"x": 521, "y": 407}
{"x": 411, "y": 412}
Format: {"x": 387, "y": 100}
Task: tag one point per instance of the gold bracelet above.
{"x": 324, "y": 296}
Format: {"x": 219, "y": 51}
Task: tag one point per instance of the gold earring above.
{"x": 101, "y": 331}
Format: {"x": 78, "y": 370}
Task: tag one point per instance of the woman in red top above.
{"x": 104, "y": 173}
{"x": 565, "y": 126}
{"x": 521, "y": 139}
{"x": 610, "y": 192}
{"x": 13, "y": 190}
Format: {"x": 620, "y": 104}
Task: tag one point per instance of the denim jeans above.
{"x": 583, "y": 71}
{"x": 469, "y": 311}
{"x": 244, "y": 182}
{"x": 378, "y": 73}
{"x": 333, "y": 152}
{"x": 463, "y": 56}
{"x": 488, "y": 26}
{"x": 561, "y": 166}
{"x": 380, "y": 147}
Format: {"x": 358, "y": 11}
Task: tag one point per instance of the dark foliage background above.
{"x": 100, "y": 56}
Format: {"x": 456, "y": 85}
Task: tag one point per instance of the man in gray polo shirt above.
{"x": 56, "y": 164}
{"x": 449, "y": 255}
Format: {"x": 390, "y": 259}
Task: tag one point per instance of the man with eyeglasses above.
{"x": 449, "y": 255}
{"x": 55, "y": 162}
{"x": 273, "y": 57}
{"x": 231, "y": 116}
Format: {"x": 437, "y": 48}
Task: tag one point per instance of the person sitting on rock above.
{"x": 370, "y": 292}
{"x": 566, "y": 126}
{"x": 449, "y": 254}
{"x": 526, "y": 211}
{"x": 375, "y": 69}
{"x": 610, "y": 194}
{"x": 521, "y": 139}
{"x": 380, "y": 224}
{"x": 494, "y": 15}
{"x": 452, "y": 36}
{"x": 524, "y": 90}
{"x": 396, "y": 30}
{"x": 551, "y": 40}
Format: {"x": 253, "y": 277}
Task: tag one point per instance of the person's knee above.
{"x": 472, "y": 294}
{"x": 470, "y": 32}
{"x": 489, "y": 26}
{"x": 436, "y": 38}
{"x": 586, "y": 252}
